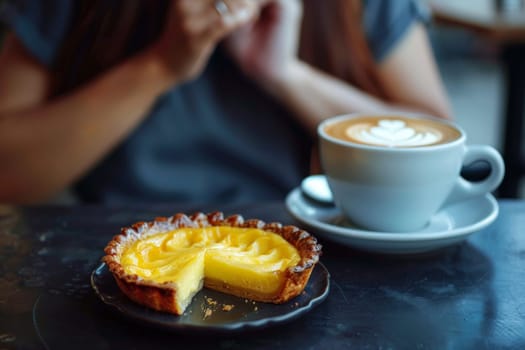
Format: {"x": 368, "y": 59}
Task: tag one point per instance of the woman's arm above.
{"x": 47, "y": 144}
{"x": 409, "y": 76}
{"x": 267, "y": 51}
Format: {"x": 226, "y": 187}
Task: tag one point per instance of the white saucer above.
{"x": 450, "y": 225}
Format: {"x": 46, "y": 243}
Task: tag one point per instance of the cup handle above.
{"x": 464, "y": 189}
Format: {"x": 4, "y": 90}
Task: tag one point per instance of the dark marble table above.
{"x": 469, "y": 296}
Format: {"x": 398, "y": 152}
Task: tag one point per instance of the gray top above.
{"x": 217, "y": 139}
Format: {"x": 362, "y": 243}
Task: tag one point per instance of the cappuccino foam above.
{"x": 393, "y": 131}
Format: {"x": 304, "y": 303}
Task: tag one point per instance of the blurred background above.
{"x": 480, "y": 46}
{"x": 473, "y": 77}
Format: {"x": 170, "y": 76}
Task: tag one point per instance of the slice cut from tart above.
{"x": 162, "y": 264}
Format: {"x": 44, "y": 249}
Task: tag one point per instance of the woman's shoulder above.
{"x": 39, "y": 25}
{"x": 386, "y": 21}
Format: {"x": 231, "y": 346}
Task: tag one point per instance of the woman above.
{"x": 195, "y": 101}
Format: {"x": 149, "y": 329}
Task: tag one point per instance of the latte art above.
{"x": 392, "y": 133}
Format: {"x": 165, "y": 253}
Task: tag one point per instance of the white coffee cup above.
{"x": 392, "y": 173}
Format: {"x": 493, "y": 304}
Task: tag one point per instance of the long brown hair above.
{"x": 101, "y": 36}
{"x": 332, "y": 39}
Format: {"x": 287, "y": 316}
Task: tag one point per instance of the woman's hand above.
{"x": 266, "y": 48}
{"x": 193, "y": 29}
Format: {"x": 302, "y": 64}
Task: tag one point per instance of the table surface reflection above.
{"x": 469, "y": 296}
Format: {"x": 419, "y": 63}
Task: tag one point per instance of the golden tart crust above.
{"x": 164, "y": 296}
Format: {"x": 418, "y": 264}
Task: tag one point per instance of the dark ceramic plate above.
{"x": 209, "y": 309}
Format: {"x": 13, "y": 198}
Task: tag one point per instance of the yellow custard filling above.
{"x": 245, "y": 258}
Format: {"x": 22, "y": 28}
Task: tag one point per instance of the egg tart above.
{"x": 162, "y": 264}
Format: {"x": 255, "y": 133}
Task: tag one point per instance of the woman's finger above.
{"x": 231, "y": 14}
{"x": 213, "y": 19}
